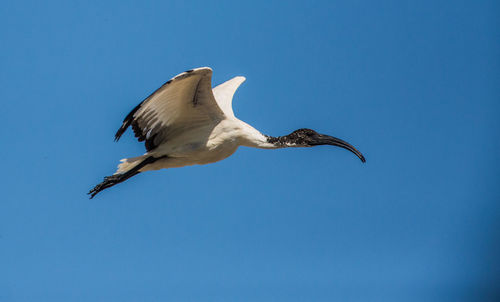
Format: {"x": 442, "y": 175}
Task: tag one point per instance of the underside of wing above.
{"x": 184, "y": 101}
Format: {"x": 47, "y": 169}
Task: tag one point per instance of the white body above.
{"x": 189, "y": 149}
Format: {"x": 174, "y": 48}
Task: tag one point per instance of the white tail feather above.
{"x": 128, "y": 163}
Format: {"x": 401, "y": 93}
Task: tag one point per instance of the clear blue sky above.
{"x": 413, "y": 84}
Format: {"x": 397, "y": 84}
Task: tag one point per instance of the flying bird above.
{"x": 186, "y": 122}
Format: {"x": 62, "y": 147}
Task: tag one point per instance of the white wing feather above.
{"x": 224, "y": 94}
{"x": 186, "y": 101}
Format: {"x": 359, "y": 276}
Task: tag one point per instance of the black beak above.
{"x": 333, "y": 141}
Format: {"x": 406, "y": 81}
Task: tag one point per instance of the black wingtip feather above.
{"x": 127, "y": 121}
{"x": 120, "y": 131}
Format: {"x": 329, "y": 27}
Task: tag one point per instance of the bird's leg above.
{"x": 112, "y": 180}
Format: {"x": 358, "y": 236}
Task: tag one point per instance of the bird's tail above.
{"x": 128, "y": 168}
{"x": 128, "y": 164}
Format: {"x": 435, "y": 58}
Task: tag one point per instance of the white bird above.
{"x": 186, "y": 122}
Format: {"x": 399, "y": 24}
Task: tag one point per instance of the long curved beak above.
{"x": 333, "y": 141}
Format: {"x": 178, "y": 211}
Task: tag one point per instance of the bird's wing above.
{"x": 224, "y": 94}
{"x": 184, "y": 101}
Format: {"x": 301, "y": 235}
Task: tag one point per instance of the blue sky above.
{"x": 414, "y": 85}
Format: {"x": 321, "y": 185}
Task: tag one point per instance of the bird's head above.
{"x": 309, "y": 138}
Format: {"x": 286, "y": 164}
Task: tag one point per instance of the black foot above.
{"x": 110, "y": 181}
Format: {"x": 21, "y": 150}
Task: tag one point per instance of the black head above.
{"x": 308, "y": 138}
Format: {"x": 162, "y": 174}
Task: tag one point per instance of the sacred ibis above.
{"x": 186, "y": 122}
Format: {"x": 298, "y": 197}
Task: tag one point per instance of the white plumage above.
{"x": 186, "y": 122}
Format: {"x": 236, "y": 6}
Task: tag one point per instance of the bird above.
{"x": 186, "y": 122}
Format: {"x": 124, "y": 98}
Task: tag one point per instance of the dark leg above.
{"x": 112, "y": 180}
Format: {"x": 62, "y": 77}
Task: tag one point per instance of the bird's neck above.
{"x": 258, "y": 140}
{"x": 253, "y": 138}
{"x": 267, "y": 142}
{"x": 284, "y": 141}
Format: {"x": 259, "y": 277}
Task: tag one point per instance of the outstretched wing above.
{"x": 224, "y": 94}
{"x": 184, "y": 101}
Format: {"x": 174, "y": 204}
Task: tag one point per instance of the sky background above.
{"x": 414, "y": 85}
